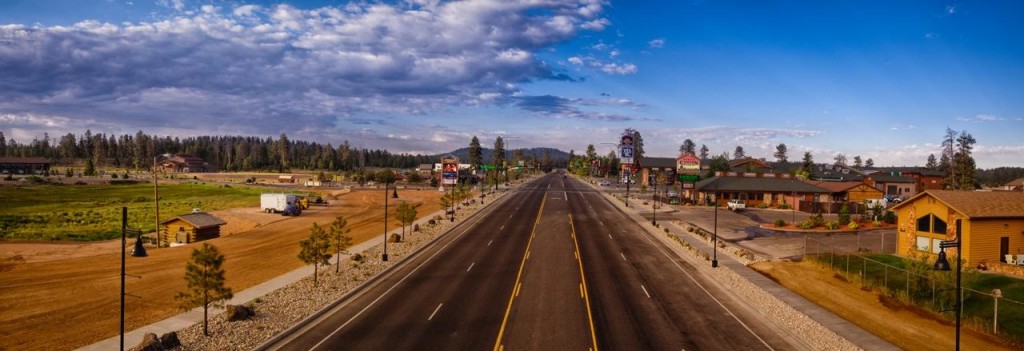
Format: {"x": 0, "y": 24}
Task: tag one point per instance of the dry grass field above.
{"x": 62, "y": 303}
{"x": 907, "y": 327}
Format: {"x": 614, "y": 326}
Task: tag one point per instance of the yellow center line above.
{"x": 515, "y": 288}
{"x": 583, "y": 279}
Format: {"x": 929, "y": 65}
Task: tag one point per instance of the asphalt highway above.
{"x": 551, "y": 266}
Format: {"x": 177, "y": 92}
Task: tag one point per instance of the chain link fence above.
{"x": 913, "y": 281}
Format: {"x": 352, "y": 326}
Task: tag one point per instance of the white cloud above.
{"x": 614, "y": 68}
{"x": 575, "y": 60}
{"x": 950, "y": 9}
{"x": 903, "y": 127}
{"x": 264, "y": 70}
{"x": 981, "y": 118}
{"x": 656, "y": 43}
{"x": 596, "y": 25}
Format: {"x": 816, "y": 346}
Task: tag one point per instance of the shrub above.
{"x": 831, "y": 225}
{"x": 889, "y": 217}
{"x": 853, "y": 226}
{"x": 783, "y": 206}
{"x": 808, "y": 224}
{"x": 817, "y": 220}
{"x": 844, "y": 215}
{"x": 876, "y": 224}
{"x": 113, "y": 176}
{"x": 780, "y": 223}
{"x": 762, "y": 205}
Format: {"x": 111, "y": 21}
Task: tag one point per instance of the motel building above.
{"x": 991, "y": 226}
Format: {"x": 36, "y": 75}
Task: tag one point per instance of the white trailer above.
{"x": 274, "y": 203}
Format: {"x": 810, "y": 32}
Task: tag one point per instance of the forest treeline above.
{"x": 226, "y": 153}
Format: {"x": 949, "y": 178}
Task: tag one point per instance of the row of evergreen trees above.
{"x": 228, "y": 153}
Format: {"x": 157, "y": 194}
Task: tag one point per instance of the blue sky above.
{"x": 881, "y": 80}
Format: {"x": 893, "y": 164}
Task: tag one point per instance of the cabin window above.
{"x": 939, "y": 227}
{"x": 924, "y": 223}
{"x": 922, "y": 243}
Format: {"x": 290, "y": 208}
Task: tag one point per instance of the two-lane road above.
{"x": 552, "y": 265}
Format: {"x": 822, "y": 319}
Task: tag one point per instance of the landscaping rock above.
{"x": 170, "y": 340}
{"x": 150, "y": 343}
{"x": 237, "y": 313}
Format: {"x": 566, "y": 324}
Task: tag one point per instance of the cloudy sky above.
{"x": 882, "y": 80}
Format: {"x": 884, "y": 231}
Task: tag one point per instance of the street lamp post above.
{"x": 453, "y": 197}
{"x": 654, "y": 202}
{"x": 942, "y": 264}
{"x": 714, "y": 240}
{"x": 384, "y": 257}
{"x": 156, "y": 199}
{"x": 139, "y": 251}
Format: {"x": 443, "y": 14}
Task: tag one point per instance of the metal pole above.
{"x": 156, "y": 201}
{"x": 453, "y": 197}
{"x": 959, "y": 288}
{"x": 124, "y": 227}
{"x": 627, "y": 187}
{"x": 714, "y": 240}
{"x": 654, "y": 203}
{"x": 384, "y": 257}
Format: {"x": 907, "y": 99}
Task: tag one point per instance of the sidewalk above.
{"x": 839, "y": 326}
{"x": 187, "y": 319}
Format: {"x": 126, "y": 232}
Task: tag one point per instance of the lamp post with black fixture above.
{"x": 942, "y": 264}
{"x": 156, "y": 198}
{"x": 714, "y": 234}
{"x": 138, "y": 251}
{"x": 388, "y": 178}
{"x": 654, "y": 199}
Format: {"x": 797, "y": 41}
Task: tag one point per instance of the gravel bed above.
{"x": 285, "y": 307}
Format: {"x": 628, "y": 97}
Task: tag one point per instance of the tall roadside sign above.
{"x": 449, "y": 170}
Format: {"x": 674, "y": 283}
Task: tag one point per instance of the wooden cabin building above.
{"x": 190, "y": 228}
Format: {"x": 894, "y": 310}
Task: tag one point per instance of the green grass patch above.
{"x": 93, "y": 212}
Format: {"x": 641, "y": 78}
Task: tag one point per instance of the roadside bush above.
{"x": 831, "y": 225}
{"x": 844, "y": 215}
{"x": 889, "y": 217}
{"x": 876, "y": 224}
{"x": 762, "y": 205}
{"x": 853, "y": 226}
{"x": 779, "y": 223}
{"x": 817, "y": 220}
{"x": 114, "y": 176}
{"x": 808, "y": 224}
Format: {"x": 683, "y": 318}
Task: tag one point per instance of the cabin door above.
{"x": 1004, "y": 248}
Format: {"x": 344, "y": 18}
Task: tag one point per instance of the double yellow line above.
{"x": 515, "y": 290}
{"x": 515, "y": 287}
{"x": 583, "y": 278}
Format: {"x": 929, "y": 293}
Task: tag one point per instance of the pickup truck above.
{"x": 737, "y": 205}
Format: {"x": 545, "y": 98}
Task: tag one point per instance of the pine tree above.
{"x": 315, "y": 250}
{"x": 780, "y": 153}
{"x": 688, "y": 147}
{"x": 932, "y": 164}
{"x": 807, "y": 167}
{"x": 499, "y": 155}
{"x": 204, "y": 279}
{"x": 857, "y": 161}
{"x": 704, "y": 152}
{"x": 963, "y": 163}
{"x": 869, "y": 163}
{"x": 738, "y": 153}
{"x": 949, "y": 154}
{"x": 90, "y": 169}
{"x": 475, "y": 153}
{"x": 3, "y": 145}
{"x": 340, "y": 240}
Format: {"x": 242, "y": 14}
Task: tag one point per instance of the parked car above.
{"x": 604, "y": 183}
{"x": 672, "y": 193}
{"x": 737, "y": 205}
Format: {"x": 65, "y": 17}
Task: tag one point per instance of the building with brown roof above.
{"x": 190, "y": 228}
{"x": 185, "y": 163}
{"x": 24, "y": 165}
{"x": 852, "y": 194}
{"x": 991, "y": 224}
{"x": 1015, "y": 185}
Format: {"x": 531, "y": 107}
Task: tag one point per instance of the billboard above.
{"x": 449, "y": 170}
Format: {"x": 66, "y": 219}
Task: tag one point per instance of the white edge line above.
{"x": 470, "y": 266}
{"x": 645, "y": 291}
{"x": 435, "y": 311}
{"x": 464, "y": 230}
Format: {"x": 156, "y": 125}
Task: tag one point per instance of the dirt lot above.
{"x": 905, "y": 326}
{"x": 64, "y": 296}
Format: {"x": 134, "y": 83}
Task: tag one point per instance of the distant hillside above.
{"x": 557, "y": 156}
